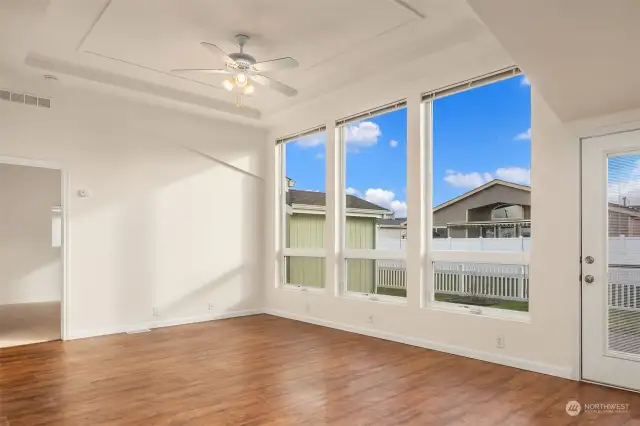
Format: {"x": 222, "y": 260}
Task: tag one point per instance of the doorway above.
{"x": 31, "y": 254}
{"x": 611, "y": 259}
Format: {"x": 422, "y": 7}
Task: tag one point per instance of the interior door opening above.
{"x": 31, "y": 254}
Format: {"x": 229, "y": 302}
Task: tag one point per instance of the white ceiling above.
{"x": 133, "y": 44}
{"x": 581, "y": 55}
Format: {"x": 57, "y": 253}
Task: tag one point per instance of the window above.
{"x": 303, "y": 211}
{"x": 374, "y": 207}
{"x": 507, "y": 212}
{"x": 481, "y": 164}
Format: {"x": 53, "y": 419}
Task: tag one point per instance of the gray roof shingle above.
{"x": 313, "y": 198}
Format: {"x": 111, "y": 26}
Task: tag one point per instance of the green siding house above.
{"x": 305, "y": 229}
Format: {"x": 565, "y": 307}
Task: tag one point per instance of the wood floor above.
{"x": 264, "y": 370}
{"x": 27, "y": 323}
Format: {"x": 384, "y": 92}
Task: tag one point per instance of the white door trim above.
{"x": 64, "y": 201}
{"x": 631, "y": 147}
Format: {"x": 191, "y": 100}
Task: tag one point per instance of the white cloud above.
{"x": 354, "y": 192}
{"x": 525, "y": 81}
{"x": 385, "y": 198}
{"x": 362, "y": 135}
{"x": 475, "y": 179}
{"x": 465, "y": 180}
{"x": 393, "y": 143}
{"x": 310, "y": 141}
{"x": 399, "y": 208}
{"x": 514, "y": 174}
{"x": 379, "y": 196}
{"x": 524, "y": 136}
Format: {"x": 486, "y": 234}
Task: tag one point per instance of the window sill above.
{"x": 392, "y": 300}
{"x": 303, "y": 288}
{"x": 480, "y": 311}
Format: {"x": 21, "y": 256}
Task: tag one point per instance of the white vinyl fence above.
{"x": 511, "y": 282}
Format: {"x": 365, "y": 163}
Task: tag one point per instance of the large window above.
{"x": 481, "y": 194}
{"x": 303, "y": 201}
{"x": 374, "y": 208}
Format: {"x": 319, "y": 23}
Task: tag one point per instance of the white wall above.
{"x": 30, "y": 268}
{"x": 548, "y": 340}
{"x": 164, "y": 226}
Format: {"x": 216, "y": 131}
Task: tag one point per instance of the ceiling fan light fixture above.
{"x": 248, "y": 89}
{"x": 241, "y": 80}
{"x": 228, "y": 84}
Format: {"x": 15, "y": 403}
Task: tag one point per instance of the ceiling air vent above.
{"x": 24, "y": 98}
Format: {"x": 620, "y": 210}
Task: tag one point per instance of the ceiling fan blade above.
{"x": 204, "y": 71}
{"x": 275, "y": 85}
{"x": 276, "y": 64}
{"x": 217, "y": 52}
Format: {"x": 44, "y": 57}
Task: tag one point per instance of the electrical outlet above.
{"x": 370, "y": 319}
{"x": 500, "y": 341}
{"x": 211, "y": 306}
{"x": 156, "y": 312}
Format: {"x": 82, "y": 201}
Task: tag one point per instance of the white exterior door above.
{"x": 611, "y": 259}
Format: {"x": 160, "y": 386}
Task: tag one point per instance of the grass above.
{"x": 511, "y": 305}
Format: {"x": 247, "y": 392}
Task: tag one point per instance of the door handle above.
{"x": 589, "y": 279}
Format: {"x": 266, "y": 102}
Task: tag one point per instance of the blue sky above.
{"x": 479, "y": 135}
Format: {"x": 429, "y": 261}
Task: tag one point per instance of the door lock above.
{"x": 589, "y": 259}
{"x": 589, "y": 279}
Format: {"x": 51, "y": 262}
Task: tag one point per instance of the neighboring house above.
{"x": 305, "y": 229}
{"x": 392, "y": 234}
{"x": 497, "y": 209}
{"x": 624, "y": 220}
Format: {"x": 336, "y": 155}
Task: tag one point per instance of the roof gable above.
{"x": 482, "y": 188}
{"x": 316, "y": 198}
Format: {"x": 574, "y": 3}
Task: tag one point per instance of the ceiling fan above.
{"x": 244, "y": 70}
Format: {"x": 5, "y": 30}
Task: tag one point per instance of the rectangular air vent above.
{"x": 24, "y": 98}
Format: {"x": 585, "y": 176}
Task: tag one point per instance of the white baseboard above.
{"x": 520, "y": 363}
{"x": 168, "y": 322}
{"x": 83, "y": 334}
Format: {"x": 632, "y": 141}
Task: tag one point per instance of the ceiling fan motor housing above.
{"x": 244, "y": 60}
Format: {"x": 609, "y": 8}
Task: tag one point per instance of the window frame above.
{"x": 431, "y": 255}
{"x": 281, "y": 238}
{"x": 361, "y": 254}
{"x": 503, "y": 206}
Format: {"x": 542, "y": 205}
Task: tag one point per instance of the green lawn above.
{"x": 511, "y": 305}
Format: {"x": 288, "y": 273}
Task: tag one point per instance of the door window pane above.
{"x": 623, "y": 301}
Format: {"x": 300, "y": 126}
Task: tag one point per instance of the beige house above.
{"x": 497, "y": 209}
{"x": 306, "y": 213}
{"x": 624, "y": 221}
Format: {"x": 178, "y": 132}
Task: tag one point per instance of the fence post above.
{"x": 521, "y": 283}
{"x": 375, "y": 280}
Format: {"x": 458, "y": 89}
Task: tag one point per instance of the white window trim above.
{"x": 360, "y": 254}
{"x": 304, "y": 288}
{"x": 480, "y": 311}
{"x": 371, "y": 297}
{"x": 517, "y": 258}
{"x": 282, "y": 209}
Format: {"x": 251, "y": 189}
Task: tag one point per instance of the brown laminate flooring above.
{"x": 264, "y": 370}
